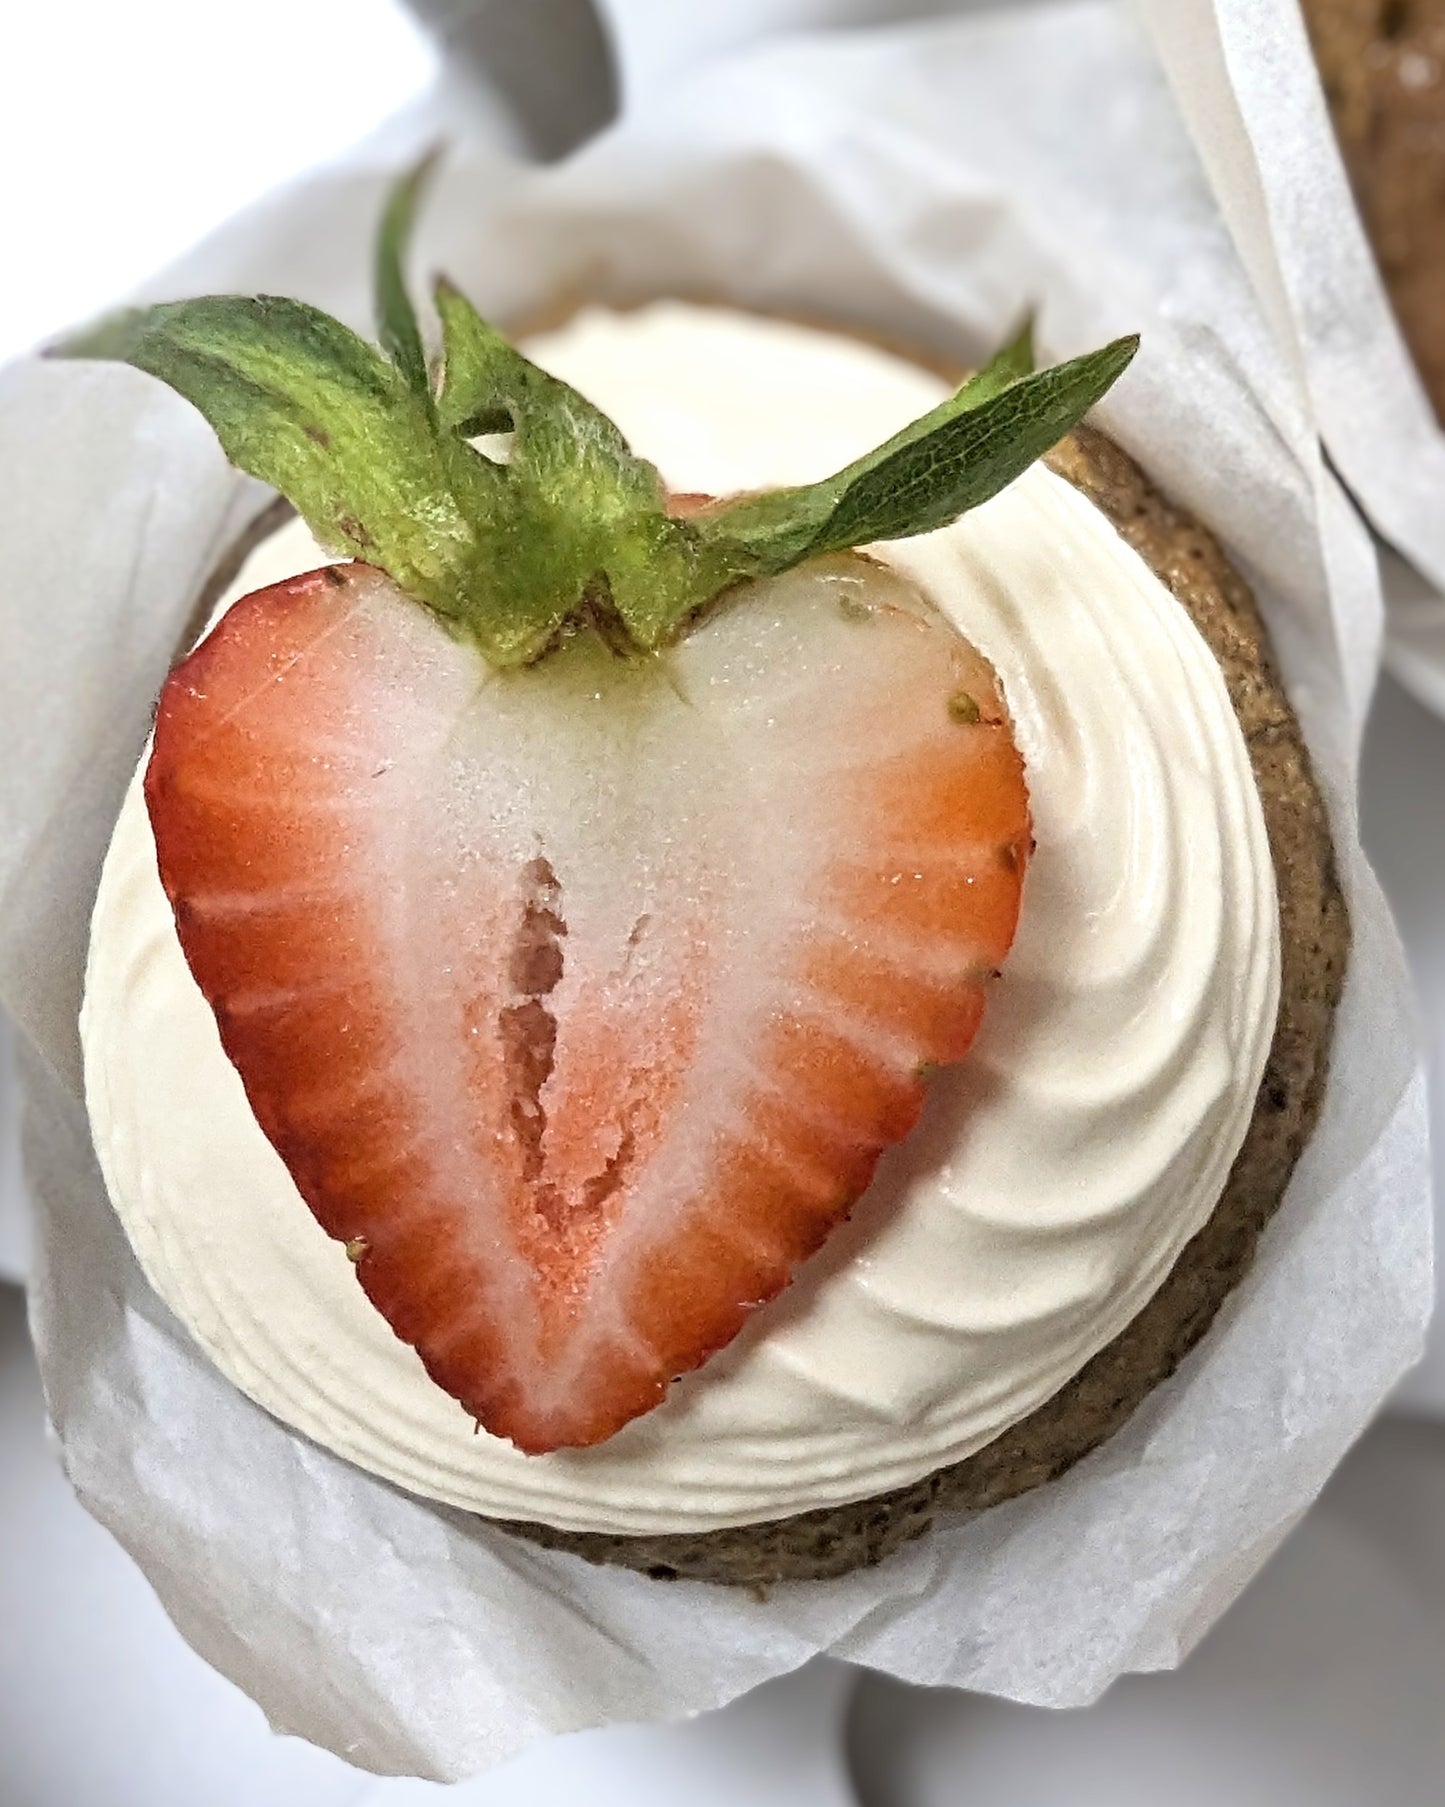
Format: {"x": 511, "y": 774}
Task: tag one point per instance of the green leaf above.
{"x": 484, "y": 380}
{"x": 396, "y": 320}
{"x": 573, "y": 527}
{"x": 301, "y": 402}
{"x": 1009, "y": 365}
{"x": 770, "y": 523}
{"x": 592, "y": 516}
{"x": 487, "y": 385}
{"x": 941, "y": 465}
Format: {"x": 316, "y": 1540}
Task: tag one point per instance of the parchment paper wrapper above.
{"x": 930, "y": 183}
{"x": 1245, "y": 80}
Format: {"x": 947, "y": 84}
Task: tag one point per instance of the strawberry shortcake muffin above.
{"x": 708, "y": 958}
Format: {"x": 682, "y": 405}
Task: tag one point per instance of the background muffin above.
{"x": 1382, "y": 63}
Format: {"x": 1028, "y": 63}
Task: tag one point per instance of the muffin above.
{"x": 1382, "y": 63}
{"x": 1036, "y": 1252}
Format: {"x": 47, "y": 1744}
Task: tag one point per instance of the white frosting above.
{"x": 1058, "y": 1172}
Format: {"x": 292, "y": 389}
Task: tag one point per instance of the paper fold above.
{"x": 1245, "y": 80}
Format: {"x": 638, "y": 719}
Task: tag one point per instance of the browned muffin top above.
{"x": 1383, "y": 67}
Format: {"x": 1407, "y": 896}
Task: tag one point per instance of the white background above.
{"x": 130, "y": 128}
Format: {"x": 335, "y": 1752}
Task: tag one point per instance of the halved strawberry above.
{"x": 582, "y": 889}
{"x": 583, "y": 999}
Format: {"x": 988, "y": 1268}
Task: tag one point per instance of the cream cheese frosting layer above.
{"x": 1057, "y": 1173}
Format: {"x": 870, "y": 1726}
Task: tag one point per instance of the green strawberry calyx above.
{"x": 373, "y": 447}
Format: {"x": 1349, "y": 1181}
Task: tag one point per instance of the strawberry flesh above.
{"x": 582, "y": 1000}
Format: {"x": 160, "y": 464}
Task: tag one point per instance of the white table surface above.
{"x": 1322, "y": 1686}
{"x": 1320, "y": 1689}
{"x": 103, "y": 1705}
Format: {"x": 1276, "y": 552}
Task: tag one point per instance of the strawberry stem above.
{"x": 573, "y": 529}
{"x": 396, "y": 321}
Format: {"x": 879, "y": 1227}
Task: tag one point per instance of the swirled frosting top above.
{"x": 1058, "y": 1172}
